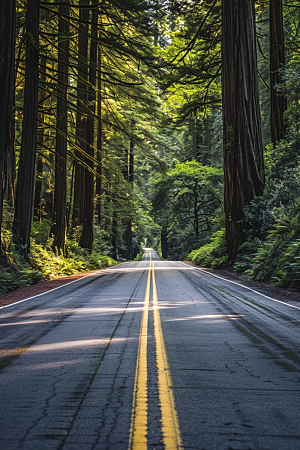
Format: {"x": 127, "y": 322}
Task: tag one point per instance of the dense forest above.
{"x": 170, "y": 124}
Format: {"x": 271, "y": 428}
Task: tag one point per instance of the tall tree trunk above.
{"x": 99, "y": 139}
{"x": 37, "y": 209}
{"x": 7, "y": 83}
{"x": 128, "y": 224}
{"x": 87, "y": 231}
{"x": 277, "y": 62}
{"x": 164, "y": 244}
{"x": 10, "y": 168}
{"x": 59, "y": 225}
{"x": 131, "y": 163}
{"x": 243, "y": 154}
{"x": 26, "y": 172}
{"x": 195, "y": 138}
{"x": 114, "y": 236}
{"x": 81, "y": 116}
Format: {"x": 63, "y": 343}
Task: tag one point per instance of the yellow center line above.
{"x": 170, "y": 424}
{"x": 169, "y": 420}
{"x": 138, "y": 429}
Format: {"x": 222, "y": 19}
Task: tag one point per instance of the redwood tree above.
{"x": 99, "y": 133}
{"x": 86, "y": 240}
{"x": 7, "y": 83}
{"x": 26, "y": 172}
{"x": 37, "y": 209}
{"x": 277, "y": 61}
{"x": 81, "y": 115}
{"x": 59, "y": 227}
{"x": 243, "y": 151}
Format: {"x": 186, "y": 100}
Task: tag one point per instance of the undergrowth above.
{"x": 276, "y": 259}
{"x": 213, "y": 254}
{"x": 45, "y": 264}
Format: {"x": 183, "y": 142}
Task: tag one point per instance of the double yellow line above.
{"x": 169, "y": 419}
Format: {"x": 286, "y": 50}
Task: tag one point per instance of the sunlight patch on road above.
{"x": 52, "y": 365}
{"x": 210, "y": 317}
{"x": 81, "y": 343}
{"x": 27, "y": 322}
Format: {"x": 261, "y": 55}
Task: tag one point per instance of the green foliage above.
{"x": 186, "y": 202}
{"x": 102, "y": 241}
{"x": 40, "y": 231}
{"x": 6, "y": 226}
{"x": 277, "y": 258}
{"x": 145, "y": 230}
{"x": 11, "y": 279}
{"x": 212, "y": 254}
{"x": 139, "y": 256}
{"x": 47, "y": 265}
{"x": 55, "y": 265}
{"x": 271, "y": 252}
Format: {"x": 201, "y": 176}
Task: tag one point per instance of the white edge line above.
{"x": 58, "y": 287}
{"x": 51, "y": 290}
{"x": 246, "y": 287}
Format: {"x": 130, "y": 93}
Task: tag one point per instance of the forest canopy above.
{"x": 171, "y": 124}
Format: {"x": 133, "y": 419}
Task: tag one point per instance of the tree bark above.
{"x": 10, "y": 168}
{"x": 195, "y": 138}
{"x": 243, "y": 151}
{"x": 59, "y": 225}
{"x": 164, "y": 244}
{"x": 114, "y": 236}
{"x": 26, "y": 172}
{"x": 41, "y": 138}
{"x": 7, "y": 83}
{"x": 129, "y": 167}
{"x": 87, "y": 231}
{"x": 99, "y": 138}
{"x": 128, "y": 240}
{"x": 37, "y": 214}
{"x": 277, "y": 62}
{"x": 131, "y": 163}
{"x": 81, "y": 116}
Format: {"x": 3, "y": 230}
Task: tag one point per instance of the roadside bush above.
{"x": 77, "y": 260}
{"x": 277, "y": 259}
{"x": 45, "y": 264}
{"x": 40, "y": 231}
{"x": 213, "y": 254}
{"x": 139, "y": 256}
{"x": 11, "y": 280}
{"x": 6, "y": 226}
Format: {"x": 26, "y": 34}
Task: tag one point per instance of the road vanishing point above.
{"x": 150, "y": 355}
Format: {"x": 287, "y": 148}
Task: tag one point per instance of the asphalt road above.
{"x": 150, "y": 354}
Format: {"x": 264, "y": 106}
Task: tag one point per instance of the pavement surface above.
{"x": 150, "y": 355}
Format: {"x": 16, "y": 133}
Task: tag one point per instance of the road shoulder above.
{"x": 40, "y": 288}
{"x": 264, "y": 288}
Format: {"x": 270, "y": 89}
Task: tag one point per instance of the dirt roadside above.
{"x": 39, "y": 288}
